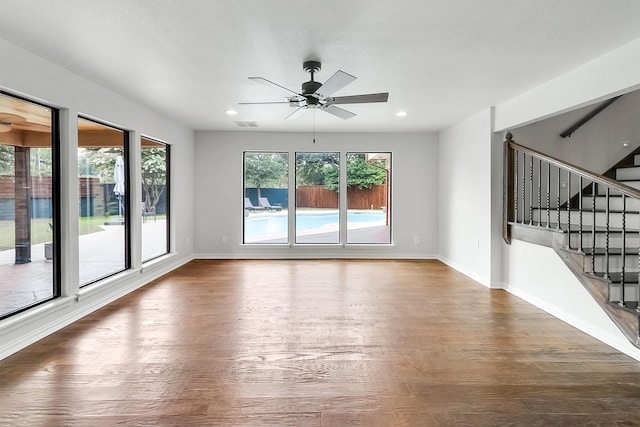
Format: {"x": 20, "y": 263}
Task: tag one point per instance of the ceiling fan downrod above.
{"x": 311, "y": 86}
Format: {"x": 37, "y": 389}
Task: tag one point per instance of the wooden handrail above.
{"x": 599, "y": 179}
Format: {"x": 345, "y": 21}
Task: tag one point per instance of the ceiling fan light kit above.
{"x": 317, "y": 95}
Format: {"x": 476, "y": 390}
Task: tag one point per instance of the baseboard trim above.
{"x": 470, "y": 274}
{"x": 619, "y": 343}
{"x": 367, "y": 255}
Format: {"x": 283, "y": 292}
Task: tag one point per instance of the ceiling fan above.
{"x": 318, "y": 96}
{"x": 8, "y": 120}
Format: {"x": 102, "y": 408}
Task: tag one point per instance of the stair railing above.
{"x": 547, "y": 193}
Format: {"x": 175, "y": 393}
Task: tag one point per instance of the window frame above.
{"x": 127, "y": 198}
{"x": 167, "y": 199}
{"x": 56, "y": 274}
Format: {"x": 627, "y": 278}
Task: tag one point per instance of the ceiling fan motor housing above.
{"x": 310, "y": 87}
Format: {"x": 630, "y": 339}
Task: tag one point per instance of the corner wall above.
{"x": 464, "y": 215}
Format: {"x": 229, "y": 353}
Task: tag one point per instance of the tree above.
{"x": 315, "y": 168}
{"x": 7, "y": 160}
{"x": 41, "y": 162}
{"x": 154, "y": 175}
{"x": 359, "y": 173}
{"x": 101, "y": 162}
{"x": 265, "y": 170}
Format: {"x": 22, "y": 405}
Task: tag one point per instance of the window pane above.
{"x": 368, "y": 196}
{"x": 154, "y": 167}
{"x": 102, "y": 166}
{"x": 317, "y": 184}
{"x": 266, "y": 197}
{"x": 26, "y": 205}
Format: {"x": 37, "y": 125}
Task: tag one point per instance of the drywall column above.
{"x": 135, "y": 198}
{"x": 69, "y": 208}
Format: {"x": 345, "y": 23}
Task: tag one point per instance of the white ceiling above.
{"x": 441, "y": 61}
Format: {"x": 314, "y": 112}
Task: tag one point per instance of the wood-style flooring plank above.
{"x": 318, "y": 343}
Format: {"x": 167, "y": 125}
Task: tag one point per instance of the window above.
{"x": 28, "y": 204}
{"x": 319, "y": 218}
{"x": 368, "y": 197}
{"x": 266, "y": 197}
{"x": 104, "y": 207}
{"x": 317, "y": 185}
{"x": 154, "y": 166}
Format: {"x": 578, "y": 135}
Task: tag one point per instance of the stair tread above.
{"x": 599, "y": 229}
{"x": 602, "y": 196}
{"x": 630, "y": 278}
{"x": 612, "y": 251}
{"x": 585, "y": 210}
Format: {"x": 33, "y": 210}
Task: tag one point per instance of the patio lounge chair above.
{"x": 264, "y": 202}
{"x": 250, "y": 207}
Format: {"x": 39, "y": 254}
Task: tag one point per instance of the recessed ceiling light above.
{"x": 625, "y": 143}
{"x": 231, "y": 112}
{"x": 401, "y": 113}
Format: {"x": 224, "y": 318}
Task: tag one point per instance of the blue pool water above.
{"x": 277, "y": 224}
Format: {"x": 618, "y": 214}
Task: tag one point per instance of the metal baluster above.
{"x": 594, "y": 190}
{"x": 621, "y": 303}
{"x": 558, "y": 200}
{"x": 548, "y": 195}
{"x": 606, "y": 237}
{"x": 524, "y": 172}
{"x": 569, "y": 207}
{"x": 515, "y": 187}
{"x": 539, "y": 192}
{"x": 531, "y": 192}
{"x": 580, "y": 214}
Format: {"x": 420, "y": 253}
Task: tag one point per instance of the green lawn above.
{"x": 41, "y": 230}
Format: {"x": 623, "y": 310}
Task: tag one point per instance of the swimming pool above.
{"x": 273, "y": 223}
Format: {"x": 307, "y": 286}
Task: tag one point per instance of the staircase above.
{"x": 591, "y": 221}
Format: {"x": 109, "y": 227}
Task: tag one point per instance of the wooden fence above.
{"x": 317, "y": 196}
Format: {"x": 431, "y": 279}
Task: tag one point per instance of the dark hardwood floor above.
{"x": 319, "y": 343}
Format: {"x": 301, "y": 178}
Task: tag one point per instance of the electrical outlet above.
{"x": 225, "y": 239}
{"x": 416, "y": 240}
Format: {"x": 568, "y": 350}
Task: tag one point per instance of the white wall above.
{"x": 219, "y": 189}
{"x": 465, "y": 197}
{"x": 534, "y": 273}
{"x": 611, "y": 74}
{"x": 596, "y": 146}
{"x": 23, "y": 73}
{"x": 557, "y": 291}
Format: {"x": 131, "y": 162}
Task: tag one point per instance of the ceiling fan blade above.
{"x": 339, "y": 112}
{"x": 297, "y": 113}
{"x": 339, "y": 80}
{"x": 271, "y": 84}
{"x": 359, "y": 99}
{"x": 266, "y": 102}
